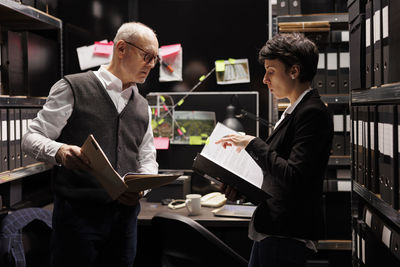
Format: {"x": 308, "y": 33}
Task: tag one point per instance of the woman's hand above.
{"x": 240, "y": 141}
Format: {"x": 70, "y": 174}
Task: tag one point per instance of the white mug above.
{"x": 193, "y": 204}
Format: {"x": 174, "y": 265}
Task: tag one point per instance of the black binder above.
{"x": 357, "y": 53}
{"x": 377, "y": 17}
{"x": 17, "y": 123}
{"x": 369, "y": 50}
{"x": 374, "y": 151}
{"x": 363, "y": 117}
{"x": 295, "y": 7}
{"x": 344, "y": 67}
{"x": 11, "y": 138}
{"x": 388, "y": 146}
{"x": 320, "y": 76}
{"x": 390, "y": 41}
{"x": 354, "y": 138}
{"x": 331, "y": 69}
{"x": 216, "y": 173}
{"x": 395, "y": 244}
{"x": 355, "y": 7}
{"x": 4, "y": 140}
{"x": 338, "y": 135}
{"x": 283, "y": 7}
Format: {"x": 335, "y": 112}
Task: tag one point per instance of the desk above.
{"x": 232, "y": 231}
{"x": 206, "y": 218}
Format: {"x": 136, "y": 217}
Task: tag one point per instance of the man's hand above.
{"x": 71, "y": 157}
{"x": 240, "y": 141}
{"x": 130, "y": 198}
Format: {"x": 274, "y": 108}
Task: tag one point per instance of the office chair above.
{"x": 185, "y": 242}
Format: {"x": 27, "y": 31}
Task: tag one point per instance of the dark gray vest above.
{"x": 119, "y": 135}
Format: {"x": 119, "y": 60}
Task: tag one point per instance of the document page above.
{"x": 241, "y": 164}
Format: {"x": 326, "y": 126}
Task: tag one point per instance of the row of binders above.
{"x": 376, "y": 150}
{"x": 374, "y": 42}
{"x": 375, "y": 243}
{"x": 14, "y": 124}
{"x": 333, "y": 68}
{"x": 295, "y": 7}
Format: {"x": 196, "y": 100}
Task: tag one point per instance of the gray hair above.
{"x": 131, "y": 30}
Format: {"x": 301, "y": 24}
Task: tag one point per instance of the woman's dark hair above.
{"x": 291, "y": 49}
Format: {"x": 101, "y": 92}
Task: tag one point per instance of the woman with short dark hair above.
{"x": 286, "y": 227}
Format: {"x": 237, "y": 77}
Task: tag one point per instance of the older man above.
{"x": 90, "y": 229}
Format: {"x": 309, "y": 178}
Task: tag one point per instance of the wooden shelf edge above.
{"x": 22, "y": 172}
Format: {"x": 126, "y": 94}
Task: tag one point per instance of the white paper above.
{"x": 344, "y": 60}
{"x": 385, "y": 22}
{"x": 321, "y": 61}
{"x": 89, "y": 60}
{"x": 345, "y": 36}
{"x": 388, "y": 139}
{"x": 372, "y": 135}
{"x": 367, "y": 32}
{"x": 344, "y": 186}
{"x": 368, "y": 218}
{"x": 377, "y": 26}
{"x": 386, "y": 236}
{"x": 363, "y": 250}
{"x": 332, "y": 61}
{"x": 360, "y": 134}
{"x": 175, "y": 61}
{"x": 4, "y": 130}
{"x": 338, "y": 123}
{"x": 241, "y": 164}
{"x": 24, "y": 127}
{"x": 380, "y": 137}
{"x": 17, "y": 130}
{"x": 12, "y": 130}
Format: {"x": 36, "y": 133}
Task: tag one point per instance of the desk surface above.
{"x": 206, "y": 218}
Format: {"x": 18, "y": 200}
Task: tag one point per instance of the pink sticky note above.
{"x": 161, "y": 142}
{"x": 169, "y": 50}
{"x": 103, "y": 49}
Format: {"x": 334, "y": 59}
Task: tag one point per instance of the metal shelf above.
{"x": 334, "y": 245}
{"x": 21, "y": 101}
{"x": 18, "y": 16}
{"x": 19, "y": 173}
{"x": 338, "y": 21}
{"x": 386, "y": 93}
{"x": 339, "y": 161}
{"x": 380, "y": 205}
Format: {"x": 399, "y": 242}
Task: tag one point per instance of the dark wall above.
{"x": 88, "y": 21}
{"x": 209, "y": 30}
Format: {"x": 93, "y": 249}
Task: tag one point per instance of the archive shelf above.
{"x": 20, "y": 173}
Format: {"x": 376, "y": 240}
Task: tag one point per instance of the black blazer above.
{"x": 294, "y": 159}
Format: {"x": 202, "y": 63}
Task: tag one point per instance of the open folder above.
{"x": 113, "y": 183}
{"x": 237, "y": 169}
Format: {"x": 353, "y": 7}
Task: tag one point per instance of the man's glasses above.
{"x": 148, "y": 57}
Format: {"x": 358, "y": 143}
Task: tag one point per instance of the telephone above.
{"x": 213, "y": 200}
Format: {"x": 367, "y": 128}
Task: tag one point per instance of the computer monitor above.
{"x": 180, "y": 156}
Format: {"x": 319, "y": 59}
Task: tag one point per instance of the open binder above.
{"x": 227, "y": 166}
{"x": 113, "y": 183}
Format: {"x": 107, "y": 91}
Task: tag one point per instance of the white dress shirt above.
{"x": 39, "y": 142}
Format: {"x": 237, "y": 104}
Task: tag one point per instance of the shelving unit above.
{"x": 389, "y": 93}
{"x": 337, "y": 21}
{"x": 19, "y": 18}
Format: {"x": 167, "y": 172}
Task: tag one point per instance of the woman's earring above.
{"x": 292, "y": 77}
